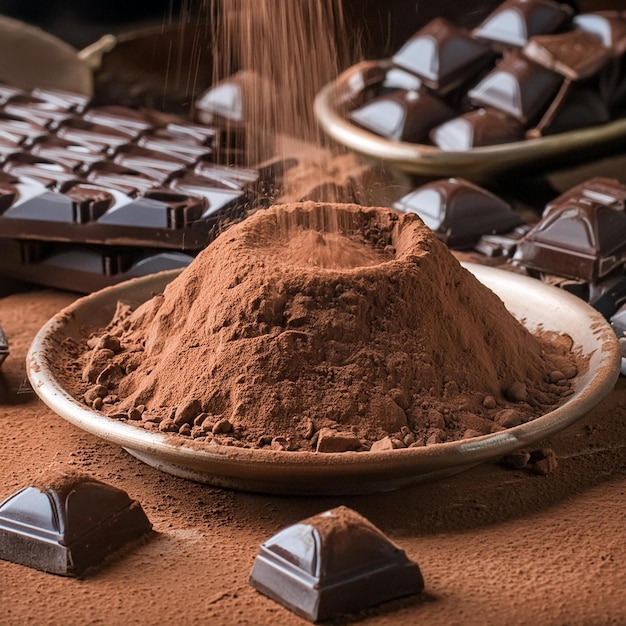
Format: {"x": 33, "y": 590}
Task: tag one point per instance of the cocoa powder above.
{"x": 324, "y": 327}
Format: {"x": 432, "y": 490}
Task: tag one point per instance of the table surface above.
{"x": 496, "y": 546}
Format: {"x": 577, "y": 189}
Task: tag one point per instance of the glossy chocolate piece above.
{"x": 395, "y": 78}
{"x": 459, "y": 212}
{"x": 609, "y": 27}
{"x": 235, "y": 100}
{"x": 82, "y": 268}
{"x": 517, "y": 86}
{"x": 580, "y": 239}
{"x": 443, "y": 55}
{"x": 575, "y": 54}
{"x": 607, "y": 191}
{"x": 514, "y": 22}
{"x": 68, "y": 524}
{"x": 29, "y": 167}
{"x": 4, "y": 346}
{"x": 334, "y": 563}
{"x": 403, "y": 115}
{"x": 482, "y": 127}
{"x": 65, "y": 152}
{"x": 42, "y": 112}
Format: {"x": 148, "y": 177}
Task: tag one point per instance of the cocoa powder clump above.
{"x": 325, "y": 326}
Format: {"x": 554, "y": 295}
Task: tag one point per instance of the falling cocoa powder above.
{"x": 324, "y": 327}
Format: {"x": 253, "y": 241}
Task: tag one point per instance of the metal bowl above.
{"x": 532, "y": 302}
{"x": 348, "y": 90}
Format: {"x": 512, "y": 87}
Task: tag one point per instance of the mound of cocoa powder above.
{"x": 324, "y": 327}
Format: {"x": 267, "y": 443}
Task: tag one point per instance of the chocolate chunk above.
{"x": 333, "y": 563}
{"x": 91, "y": 135}
{"x": 576, "y": 54}
{"x": 443, "y": 55}
{"x": 65, "y": 152}
{"x": 514, "y": 22}
{"x": 517, "y": 86}
{"x": 403, "y": 115}
{"x": 42, "y": 112}
{"x": 396, "y": 78}
{"x": 608, "y": 26}
{"x": 608, "y": 191}
{"x": 581, "y": 239}
{"x": 33, "y": 168}
{"x": 68, "y": 524}
{"x": 4, "y": 346}
{"x": 483, "y": 127}
{"x": 64, "y": 99}
{"x": 458, "y": 211}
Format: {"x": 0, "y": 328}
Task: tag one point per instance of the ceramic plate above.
{"x": 477, "y": 164}
{"x": 529, "y": 300}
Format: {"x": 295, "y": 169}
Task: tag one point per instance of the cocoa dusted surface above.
{"x": 495, "y": 545}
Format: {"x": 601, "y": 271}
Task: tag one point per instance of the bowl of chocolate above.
{"x": 324, "y": 349}
{"x": 533, "y": 85}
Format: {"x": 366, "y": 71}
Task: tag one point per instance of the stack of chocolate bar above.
{"x": 531, "y": 68}
{"x": 92, "y": 195}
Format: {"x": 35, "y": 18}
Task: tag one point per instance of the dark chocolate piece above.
{"x": 68, "y": 524}
{"x": 67, "y": 100}
{"x": 234, "y": 100}
{"x": 65, "y": 152}
{"x": 580, "y": 239}
{"x": 333, "y": 563}
{"x": 42, "y": 112}
{"x": 458, "y": 211}
{"x": 395, "y": 78}
{"x": 608, "y": 26}
{"x": 443, "y": 55}
{"x": 607, "y": 191}
{"x": 576, "y": 54}
{"x": 518, "y": 87}
{"x": 403, "y": 115}
{"x": 514, "y": 22}
{"x": 4, "y": 346}
{"x": 483, "y": 127}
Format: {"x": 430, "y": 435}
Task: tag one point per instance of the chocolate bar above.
{"x": 68, "y": 524}
{"x": 110, "y": 175}
{"x": 333, "y": 563}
